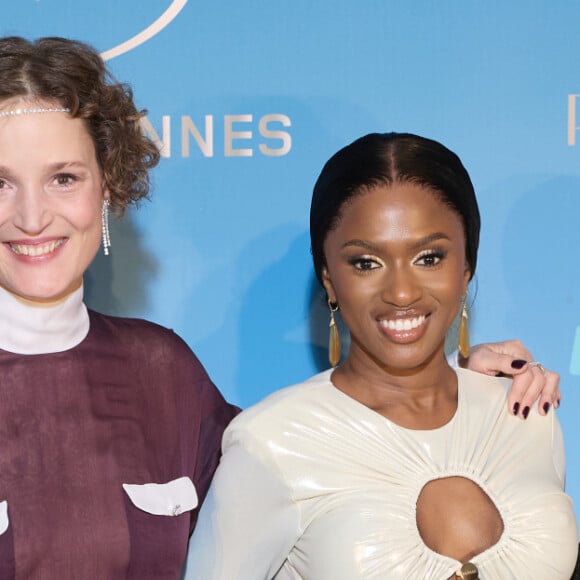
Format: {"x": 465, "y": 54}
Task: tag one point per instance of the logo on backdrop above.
{"x": 166, "y": 18}
{"x": 240, "y": 135}
{"x": 243, "y": 135}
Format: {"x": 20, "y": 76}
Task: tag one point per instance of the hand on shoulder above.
{"x": 531, "y": 381}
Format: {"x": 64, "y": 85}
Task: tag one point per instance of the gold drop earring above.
{"x": 463, "y": 330}
{"x": 334, "y": 338}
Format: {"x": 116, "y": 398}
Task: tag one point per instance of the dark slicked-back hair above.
{"x": 380, "y": 159}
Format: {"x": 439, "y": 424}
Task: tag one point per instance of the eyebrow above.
{"x": 360, "y": 244}
{"x": 422, "y": 242}
{"x": 430, "y": 238}
{"x": 58, "y": 166}
{"x": 64, "y": 164}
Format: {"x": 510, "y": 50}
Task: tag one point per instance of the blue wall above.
{"x": 248, "y": 99}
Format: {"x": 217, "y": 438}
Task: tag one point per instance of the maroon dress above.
{"x": 130, "y": 404}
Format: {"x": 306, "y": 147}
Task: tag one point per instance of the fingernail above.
{"x": 546, "y": 407}
{"x": 525, "y": 412}
{"x": 516, "y": 408}
{"x": 518, "y": 363}
{"x": 557, "y": 405}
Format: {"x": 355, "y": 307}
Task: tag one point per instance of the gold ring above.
{"x": 534, "y": 363}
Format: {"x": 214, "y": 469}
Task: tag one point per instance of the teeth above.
{"x": 404, "y": 323}
{"x": 37, "y": 249}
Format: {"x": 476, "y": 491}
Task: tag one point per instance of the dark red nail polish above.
{"x": 516, "y": 408}
{"x": 546, "y": 407}
{"x": 525, "y": 412}
{"x": 558, "y": 403}
{"x": 518, "y": 363}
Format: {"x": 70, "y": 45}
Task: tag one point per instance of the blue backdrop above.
{"x": 248, "y": 99}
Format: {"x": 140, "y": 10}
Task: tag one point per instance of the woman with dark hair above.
{"x": 392, "y": 464}
{"x": 110, "y": 427}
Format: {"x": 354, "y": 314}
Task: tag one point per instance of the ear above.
{"x": 466, "y": 278}
{"x": 328, "y": 286}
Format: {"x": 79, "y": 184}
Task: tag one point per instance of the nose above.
{"x": 401, "y": 287}
{"x": 32, "y": 213}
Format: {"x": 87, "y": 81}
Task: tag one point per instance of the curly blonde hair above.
{"x": 72, "y": 74}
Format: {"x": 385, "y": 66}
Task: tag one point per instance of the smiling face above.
{"x": 51, "y": 194}
{"x": 395, "y": 264}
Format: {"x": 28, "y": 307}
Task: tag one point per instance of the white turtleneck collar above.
{"x": 26, "y": 329}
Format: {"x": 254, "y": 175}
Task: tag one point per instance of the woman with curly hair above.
{"x": 110, "y": 427}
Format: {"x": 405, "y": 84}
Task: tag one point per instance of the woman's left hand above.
{"x": 531, "y": 381}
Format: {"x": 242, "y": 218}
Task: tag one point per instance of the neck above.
{"x": 422, "y": 397}
{"x": 36, "y": 328}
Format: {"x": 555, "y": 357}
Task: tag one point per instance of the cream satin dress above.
{"x": 314, "y": 485}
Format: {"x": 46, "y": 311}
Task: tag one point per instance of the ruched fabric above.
{"x": 314, "y": 485}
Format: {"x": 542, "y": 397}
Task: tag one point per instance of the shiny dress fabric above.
{"x": 129, "y": 404}
{"x": 313, "y": 485}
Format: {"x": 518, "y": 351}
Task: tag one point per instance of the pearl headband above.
{"x": 31, "y": 111}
